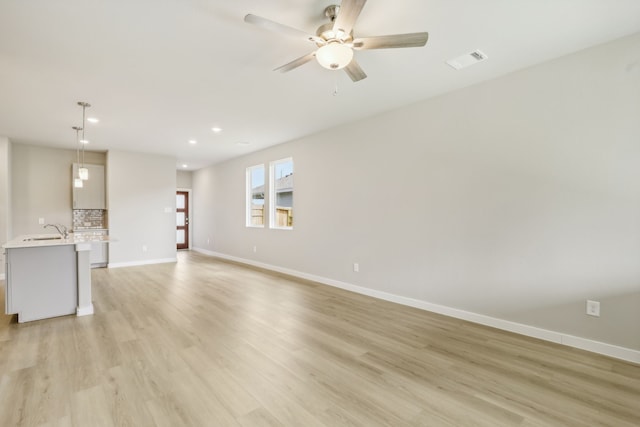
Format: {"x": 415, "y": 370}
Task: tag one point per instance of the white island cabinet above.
{"x": 48, "y": 276}
{"x": 99, "y": 256}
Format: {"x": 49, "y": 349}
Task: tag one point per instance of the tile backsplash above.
{"x": 84, "y": 219}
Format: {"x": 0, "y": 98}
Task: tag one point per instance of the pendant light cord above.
{"x": 84, "y": 107}
{"x": 77, "y": 129}
{"x": 83, "y": 171}
{"x": 77, "y": 180}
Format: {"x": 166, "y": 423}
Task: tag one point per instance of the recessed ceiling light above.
{"x": 243, "y": 143}
{"x": 84, "y": 141}
{"x": 193, "y": 141}
{"x": 216, "y": 129}
{"x": 184, "y": 166}
{"x": 92, "y": 120}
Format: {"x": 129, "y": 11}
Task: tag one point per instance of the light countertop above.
{"x": 41, "y": 240}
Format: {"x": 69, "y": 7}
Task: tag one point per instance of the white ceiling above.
{"x": 161, "y": 72}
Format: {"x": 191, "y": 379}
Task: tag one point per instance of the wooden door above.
{"x": 182, "y": 219}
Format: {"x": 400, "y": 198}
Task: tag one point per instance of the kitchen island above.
{"x": 48, "y": 275}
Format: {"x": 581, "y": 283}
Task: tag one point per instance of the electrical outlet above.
{"x": 593, "y": 308}
{"x": 356, "y": 267}
{"x": 255, "y": 249}
{"x": 41, "y": 221}
{"x": 208, "y": 241}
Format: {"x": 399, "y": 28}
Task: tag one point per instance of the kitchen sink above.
{"x": 31, "y": 239}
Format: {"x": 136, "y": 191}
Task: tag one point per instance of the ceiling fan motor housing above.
{"x": 326, "y": 33}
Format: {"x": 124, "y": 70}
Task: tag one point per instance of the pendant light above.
{"x": 77, "y": 181}
{"x": 83, "y": 172}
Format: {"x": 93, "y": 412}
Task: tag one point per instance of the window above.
{"x": 255, "y": 196}
{"x": 281, "y": 194}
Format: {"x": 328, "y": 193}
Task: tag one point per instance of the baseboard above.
{"x": 142, "y": 262}
{"x": 611, "y": 350}
{"x": 84, "y": 311}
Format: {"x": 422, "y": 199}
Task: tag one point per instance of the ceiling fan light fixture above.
{"x": 334, "y": 55}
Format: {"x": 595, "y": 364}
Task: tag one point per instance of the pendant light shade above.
{"x": 83, "y": 173}
{"x": 81, "y": 141}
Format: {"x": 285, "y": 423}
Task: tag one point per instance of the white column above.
{"x": 85, "y": 306}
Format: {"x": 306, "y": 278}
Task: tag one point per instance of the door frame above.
{"x": 190, "y": 207}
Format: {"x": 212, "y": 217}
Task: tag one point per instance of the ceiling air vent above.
{"x": 463, "y": 61}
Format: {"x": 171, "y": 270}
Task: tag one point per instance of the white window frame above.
{"x": 272, "y": 192}
{"x": 249, "y": 196}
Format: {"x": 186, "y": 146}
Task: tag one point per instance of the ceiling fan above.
{"x": 335, "y": 40}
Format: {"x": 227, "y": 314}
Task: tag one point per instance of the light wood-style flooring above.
{"x": 204, "y": 342}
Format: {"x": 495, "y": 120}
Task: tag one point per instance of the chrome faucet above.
{"x": 64, "y": 232}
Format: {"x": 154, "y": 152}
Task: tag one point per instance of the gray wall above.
{"x": 517, "y": 199}
{"x": 42, "y": 186}
{"x": 142, "y": 202}
{"x": 184, "y": 179}
{"x": 204, "y": 217}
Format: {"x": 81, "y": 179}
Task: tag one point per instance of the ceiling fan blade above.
{"x": 270, "y": 25}
{"x": 347, "y": 15}
{"x": 391, "y": 41}
{"x": 296, "y": 63}
{"x": 354, "y": 71}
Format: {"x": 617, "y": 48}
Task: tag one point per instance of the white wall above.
{"x": 517, "y": 199}
{"x": 141, "y": 193}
